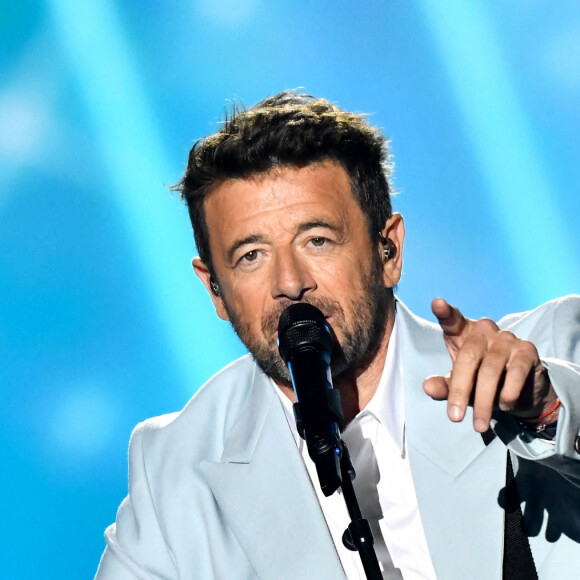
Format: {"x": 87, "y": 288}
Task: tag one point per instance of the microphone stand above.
{"x": 333, "y": 474}
{"x": 358, "y": 535}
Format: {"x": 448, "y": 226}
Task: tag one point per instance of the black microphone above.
{"x": 305, "y": 344}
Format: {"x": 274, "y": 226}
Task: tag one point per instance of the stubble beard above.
{"x": 359, "y": 339}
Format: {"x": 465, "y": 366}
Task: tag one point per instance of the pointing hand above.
{"x": 491, "y": 369}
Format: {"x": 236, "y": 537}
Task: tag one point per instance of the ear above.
{"x": 394, "y": 230}
{"x": 203, "y": 274}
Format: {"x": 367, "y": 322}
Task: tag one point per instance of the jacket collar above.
{"x": 452, "y": 446}
{"x": 441, "y": 454}
{"x": 261, "y": 481}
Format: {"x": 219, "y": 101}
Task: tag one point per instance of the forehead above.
{"x": 285, "y": 195}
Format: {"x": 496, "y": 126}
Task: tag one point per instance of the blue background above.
{"x": 102, "y": 321}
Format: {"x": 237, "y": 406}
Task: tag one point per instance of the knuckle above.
{"x": 509, "y": 398}
{"x": 527, "y": 348}
{"x": 457, "y": 401}
{"x": 460, "y": 387}
{"x": 468, "y": 355}
{"x": 493, "y": 365}
{"x": 502, "y": 342}
{"x": 487, "y": 324}
{"x": 518, "y": 374}
{"x": 506, "y": 336}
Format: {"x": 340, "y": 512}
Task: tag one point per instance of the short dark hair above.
{"x": 288, "y": 130}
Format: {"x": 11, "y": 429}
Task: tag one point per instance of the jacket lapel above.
{"x": 266, "y": 496}
{"x": 457, "y": 480}
{"x": 453, "y": 446}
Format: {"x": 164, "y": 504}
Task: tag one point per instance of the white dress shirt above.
{"x": 384, "y": 485}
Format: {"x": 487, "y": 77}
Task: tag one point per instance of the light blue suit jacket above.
{"x": 219, "y": 490}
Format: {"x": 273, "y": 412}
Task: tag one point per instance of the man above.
{"x": 289, "y": 203}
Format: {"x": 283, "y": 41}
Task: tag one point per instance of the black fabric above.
{"x": 518, "y": 562}
{"x": 488, "y": 436}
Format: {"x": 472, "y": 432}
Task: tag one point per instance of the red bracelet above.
{"x": 544, "y": 420}
{"x": 550, "y": 410}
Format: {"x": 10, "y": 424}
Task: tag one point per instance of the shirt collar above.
{"x": 388, "y": 403}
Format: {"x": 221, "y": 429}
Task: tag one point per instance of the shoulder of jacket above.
{"x": 202, "y": 425}
{"x": 563, "y": 306}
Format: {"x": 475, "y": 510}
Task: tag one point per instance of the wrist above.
{"x": 546, "y": 404}
{"x": 544, "y": 426}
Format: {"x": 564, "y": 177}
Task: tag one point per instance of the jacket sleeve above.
{"x": 555, "y": 331}
{"x": 136, "y": 548}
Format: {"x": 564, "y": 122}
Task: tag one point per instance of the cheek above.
{"x": 248, "y": 303}
{"x": 346, "y": 277}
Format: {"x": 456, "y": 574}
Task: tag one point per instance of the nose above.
{"x": 291, "y": 277}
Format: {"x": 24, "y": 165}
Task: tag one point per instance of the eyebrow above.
{"x": 316, "y": 224}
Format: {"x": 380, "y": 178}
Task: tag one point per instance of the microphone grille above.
{"x": 302, "y": 325}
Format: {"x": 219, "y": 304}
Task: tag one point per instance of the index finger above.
{"x": 452, "y": 322}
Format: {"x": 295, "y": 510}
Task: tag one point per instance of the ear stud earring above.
{"x": 389, "y": 248}
{"x": 214, "y": 287}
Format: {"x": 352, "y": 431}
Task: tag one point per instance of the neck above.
{"x": 358, "y": 389}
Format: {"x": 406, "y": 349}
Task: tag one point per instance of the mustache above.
{"x": 327, "y": 306}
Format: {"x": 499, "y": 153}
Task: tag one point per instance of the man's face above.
{"x": 296, "y": 235}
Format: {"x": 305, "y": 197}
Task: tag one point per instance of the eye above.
{"x": 318, "y": 241}
{"x": 250, "y": 256}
